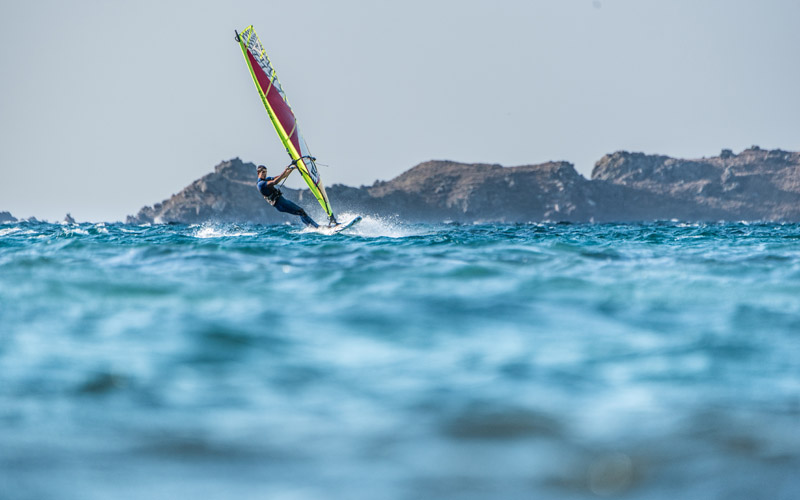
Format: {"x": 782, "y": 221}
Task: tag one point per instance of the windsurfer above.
{"x": 267, "y": 188}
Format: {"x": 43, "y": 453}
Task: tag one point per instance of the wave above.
{"x": 205, "y": 231}
{"x": 612, "y": 360}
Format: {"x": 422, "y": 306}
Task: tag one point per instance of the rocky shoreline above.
{"x": 754, "y": 185}
{"x": 6, "y": 217}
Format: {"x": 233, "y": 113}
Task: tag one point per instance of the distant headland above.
{"x": 754, "y": 185}
{"x": 6, "y": 217}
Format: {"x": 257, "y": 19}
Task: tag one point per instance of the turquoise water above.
{"x": 400, "y": 361}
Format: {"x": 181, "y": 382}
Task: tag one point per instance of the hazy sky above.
{"x": 106, "y": 106}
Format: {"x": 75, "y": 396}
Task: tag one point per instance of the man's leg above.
{"x": 284, "y": 205}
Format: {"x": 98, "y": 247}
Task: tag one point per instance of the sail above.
{"x": 274, "y": 99}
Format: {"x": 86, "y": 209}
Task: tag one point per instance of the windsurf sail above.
{"x": 274, "y": 99}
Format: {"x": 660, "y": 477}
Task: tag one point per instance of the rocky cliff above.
{"x": 753, "y": 185}
{"x": 226, "y": 195}
{"x": 7, "y": 217}
{"x": 443, "y": 190}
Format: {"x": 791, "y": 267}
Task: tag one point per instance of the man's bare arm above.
{"x": 281, "y": 177}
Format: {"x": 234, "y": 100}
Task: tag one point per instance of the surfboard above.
{"x": 341, "y": 227}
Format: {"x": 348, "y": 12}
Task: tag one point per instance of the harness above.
{"x": 273, "y": 197}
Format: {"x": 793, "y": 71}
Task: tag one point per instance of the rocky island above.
{"x": 6, "y": 217}
{"x": 754, "y": 185}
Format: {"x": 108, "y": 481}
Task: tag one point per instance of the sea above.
{"x": 400, "y": 361}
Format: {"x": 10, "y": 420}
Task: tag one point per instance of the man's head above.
{"x": 262, "y": 172}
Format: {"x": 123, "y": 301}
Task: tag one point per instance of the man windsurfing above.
{"x": 267, "y": 188}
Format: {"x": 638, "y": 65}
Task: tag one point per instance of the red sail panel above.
{"x": 279, "y": 106}
{"x": 284, "y": 114}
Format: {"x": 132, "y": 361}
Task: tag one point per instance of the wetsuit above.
{"x": 275, "y": 198}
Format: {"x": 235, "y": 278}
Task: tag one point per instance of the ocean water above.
{"x": 400, "y": 361}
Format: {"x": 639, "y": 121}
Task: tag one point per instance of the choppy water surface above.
{"x": 400, "y": 361}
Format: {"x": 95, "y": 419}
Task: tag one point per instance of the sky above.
{"x": 108, "y": 106}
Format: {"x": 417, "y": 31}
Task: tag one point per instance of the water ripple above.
{"x": 400, "y": 361}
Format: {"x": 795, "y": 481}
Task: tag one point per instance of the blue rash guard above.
{"x": 271, "y": 193}
{"x": 275, "y": 198}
